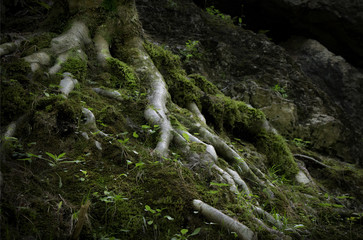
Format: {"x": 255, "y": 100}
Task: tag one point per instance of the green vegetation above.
{"x": 77, "y": 66}
{"x": 191, "y": 50}
{"x": 281, "y": 90}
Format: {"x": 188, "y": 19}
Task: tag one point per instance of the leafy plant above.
{"x": 183, "y": 234}
{"x": 300, "y": 143}
{"x": 191, "y": 50}
{"x": 281, "y": 90}
{"x": 155, "y": 216}
{"x": 226, "y": 18}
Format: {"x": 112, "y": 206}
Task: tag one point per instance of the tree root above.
{"x": 304, "y": 157}
{"x": 229, "y": 223}
{"x": 67, "y": 84}
{"x": 62, "y": 46}
{"x": 9, "y": 47}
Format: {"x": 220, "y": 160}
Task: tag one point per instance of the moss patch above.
{"x": 77, "y": 66}
{"x": 15, "y": 101}
{"x": 124, "y": 76}
{"x": 277, "y": 152}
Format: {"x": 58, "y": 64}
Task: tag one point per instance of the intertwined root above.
{"x": 72, "y": 43}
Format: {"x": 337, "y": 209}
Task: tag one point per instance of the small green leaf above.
{"x": 196, "y": 231}
{"x": 184, "y": 231}
{"x": 150, "y": 222}
{"x": 135, "y": 135}
{"x": 139, "y": 164}
{"x": 51, "y": 155}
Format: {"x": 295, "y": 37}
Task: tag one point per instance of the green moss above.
{"x": 15, "y": 101}
{"x": 37, "y": 43}
{"x": 277, "y": 152}
{"x": 16, "y": 69}
{"x": 124, "y": 75}
{"x": 77, "y": 66}
{"x": 232, "y": 115}
{"x": 198, "y": 147}
{"x": 57, "y": 114}
{"x": 204, "y": 85}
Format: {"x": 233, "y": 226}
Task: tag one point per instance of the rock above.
{"x": 282, "y": 115}
{"x": 336, "y": 24}
{"x": 343, "y": 83}
{"x": 302, "y": 178}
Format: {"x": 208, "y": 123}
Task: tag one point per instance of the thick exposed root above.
{"x": 228, "y": 153}
{"x": 91, "y": 122}
{"x": 67, "y": 84}
{"x": 102, "y": 46}
{"x": 194, "y": 109}
{"x": 75, "y": 38}
{"x": 156, "y": 111}
{"x": 311, "y": 159}
{"x": 229, "y": 223}
{"x": 72, "y": 41}
{"x": 268, "y": 217}
{"x": 279, "y": 234}
{"x": 36, "y": 60}
{"x": 9, "y": 47}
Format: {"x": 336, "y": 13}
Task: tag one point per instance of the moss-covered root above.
{"x": 102, "y": 45}
{"x": 262, "y": 213}
{"x": 38, "y": 59}
{"x": 108, "y": 93}
{"x": 91, "y": 122}
{"x": 280, "y": 235}
{"x": 11, "y": 128}
{"x": 67, "y": 84}
{"x": 209, "y": 158}
{"x": 228, "y": 153}
{"x": 227, "y": 222}
{"x": 156, "y": 111}
{"x": 9, "y": 47}
{"x": 194, "y": 109}
{"x": 63, "y": 46}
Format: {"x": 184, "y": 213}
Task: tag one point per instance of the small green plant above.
{"x": 84, "y": 176}
{"x": 53, "y": 160}
{"x": 191, "y": 50}
{"x": 281, "y": 90}
{"x": 154, "y": 218}
{"x": 224, "y": 17}
{"x": 300, "y": 143}
{"x": 277, "y": 179}
{"x": 183, "y": 234}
